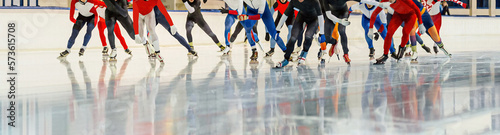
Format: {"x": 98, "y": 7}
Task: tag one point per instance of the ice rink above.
{"x": 226, "y": 95}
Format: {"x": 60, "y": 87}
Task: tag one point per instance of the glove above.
{"x": 242, "y": 17}
{"x": 173, "y": 30}
{"x": 344, "y": 22}
{"x": 384, "y": 5}
{"x": 277, "y": 34}
{"x": 376, "y": 36}
{"x": 321, "y": 38}
{"x": 370, "y": 33}
{"x": 223, "y": 10}
{"x": 421, "y": 28}
{"x": 204, "y": 1}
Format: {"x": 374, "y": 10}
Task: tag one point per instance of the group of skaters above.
{"x": 306, "y": 20}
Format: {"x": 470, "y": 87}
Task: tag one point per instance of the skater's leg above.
{"x": 90, "y": 27}
{"x": 110, "y": 25}
{"x": 391, "y": 28}
{"x": 119, "y": 35}
{"x": 248, "y": 25}
{"x": 189, "y": 28}
{"x": 329, "y": 26}
{"x": 101, "y": 25}
{"x": 150, "y": 23}
{"x": 267, "y": 18}
{"x": 272, "y": 43}
{"x": 160, "y": 18}
{"x": 378, "y": 24}
{"x": 74, "y": 33}
{"x": 343, "y": 38}
{"x": 205, "y": 27}
{"x": 365, "y": 23}
{"x": 312, "y": 27}
{"x": 228, "y": 23}
{"x": 297, "y": 28}
{"x": 407, "y": 29}
{"x": 237, "y": 30}
{"x": 127, "y": 24}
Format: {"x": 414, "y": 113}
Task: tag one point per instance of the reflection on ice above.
{"x": 437, "y": 96}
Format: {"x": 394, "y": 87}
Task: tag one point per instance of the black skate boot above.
{"x": 427, "y": 49}
{"x": 221, "y": 47}
{"x": 393, "y": 55}
{"x": 401, "y": 52}
{"x": 105, "y": 51}
{"x": 255, "y": 55}
{"x": 270, "y": 53}
{"x": 435, "y": 49}
{"x": 81, "y": 52}
{"x": 372, "y": 53}
{"x": 192, "y": 53}
{"x": 128, "y": 51}
{"x": 381, "y": 60}
{"x": 63, "y": 54}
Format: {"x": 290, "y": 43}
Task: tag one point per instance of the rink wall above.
{"x": 49, "y": 29}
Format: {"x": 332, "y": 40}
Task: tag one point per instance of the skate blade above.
{"x": 379, "y": 63}
{"x": 254, "y": 62}
{"x": 372, "y": 58}
{"x": 413, "y": 62}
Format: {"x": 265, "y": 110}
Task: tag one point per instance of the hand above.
{"x": 173, "y": 30}
{"x": 370, "y": 33}
{"x": 344, "y": 22}
{"x": 421, "y": 28}
{"x": 376, "y": 36}
{"x": 277, "y": 34}
{"x": 223, "y": 10}
{"x": 242, "y": 17}
{"x": 321, "y": 38}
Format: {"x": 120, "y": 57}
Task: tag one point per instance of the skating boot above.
{"x": 191, "y": 45}
{"x": 221, "y": 47}
{"x": 302, "y": 58}
{"x": 347, "y": 60}
{"x": 158, "y": 56}
{"x": 226, "y": 50}
{"x": 105, "y": 51}
{"x": 255, "y": 55}
{"x": 414, "y": 57}
{"x": 193, "y": 54}
{"x": 407, "y": 51}
{"x": 372, "y": 52}
{"x": 427, "y": 49}
{"x": 393, "y": 55}
{"x": 63, "y": 54}
{"x": 441, "y": 47}
{"x": 435, "y": 49}
{"x": 381, "y": 60}
{"x": 128, "y": 51}
{"x": 270, "y": 53}
{"x": 81, "y": 52}
{"x": 282, "y": 64}
{"x": 149, "y": 49}
{"x": 112, "y": 55}
{"x": 334, "y": 50}
{"x": 401, "y": 52}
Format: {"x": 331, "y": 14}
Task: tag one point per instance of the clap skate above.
{"x": 105, "y": 51}
{"x": 112, "y": 55}
{"x": 381, "y": 60}
{"x": 441, "y": 47}
{"x": 372, "y": 52}
{"x": 128, "y": 51}
{"x": 414, "y": 57}
{"x": 63, "y": 54}
{"x": 427, "y": 49}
